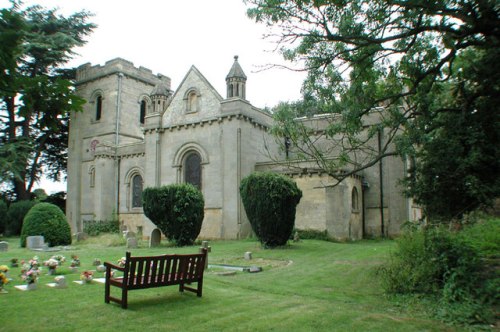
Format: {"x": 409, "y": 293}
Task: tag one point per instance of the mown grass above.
{"x": 314, "y": 286}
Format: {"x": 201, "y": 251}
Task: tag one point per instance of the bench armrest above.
{"x": 113, "y": 266}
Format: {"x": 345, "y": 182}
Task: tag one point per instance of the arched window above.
{"x": 355, "y": 199}
{"x": 136, "y": 191}
{"x": 142, "y": 112}
{"x": 193, "y": 102}
{"x": 98, "y": 108}
{"x": 192, "y": 169}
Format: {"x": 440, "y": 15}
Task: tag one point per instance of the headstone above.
{"x": 155, "y": 239}
{"x": 255, "y": 269}
{"x": 101, "y": 268}
{"x": 129, "y": 234}
{"x": 132, "y": 242}
{"x": 80, "y": 236}
{"x": 4, "y": 246}
{"x": 35, "y": 242}
{"x": 248, "y": 255}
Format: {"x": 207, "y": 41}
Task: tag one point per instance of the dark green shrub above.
{"x": 3, "y": 216}
{"x": 441, "y": 264}
{"x": 58, "y": 199}
{"x": 49, "y": 221}
{"x": 270, "y": 201}
{"x": 15, "y": 216}
{"x": 311, "y": 234}
{"x": 177, "y": 210}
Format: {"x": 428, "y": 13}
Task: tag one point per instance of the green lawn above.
{"x": 307, "y": 286}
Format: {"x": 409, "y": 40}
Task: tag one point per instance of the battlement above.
{"x": 87, "y": 72}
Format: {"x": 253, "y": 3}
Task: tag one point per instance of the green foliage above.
{"x": 36, "y": 94}
{"x": 3, "y": 216}
{"x": 439, "y": 263}
{"x": 311, "y": 234}
{"x": 470, "y": 178}
{"x": 484, "y": 236}
{"x": 177, "y": 210}
{"x": 15, "y": 216}
{"x": 58, "y": 199}
{"x": 421, "y": 73}
{"x": 97, "y": 227}
{"x": 270, "y": 201}
{"x": 49, "y": 221}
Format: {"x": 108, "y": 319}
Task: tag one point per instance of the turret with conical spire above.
{"x": 159, "y": 97}
{"x": 236, "y": 81}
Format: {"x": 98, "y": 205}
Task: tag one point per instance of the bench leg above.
{"x": 200, "y": 288}
{"x": 106, "y": 291}
{"x": 124, "y": 298}
{"x": 181, "y": 288}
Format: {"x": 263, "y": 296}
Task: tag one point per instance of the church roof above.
{"x": 160, "y": 89}
{"x": 236, "y": 70}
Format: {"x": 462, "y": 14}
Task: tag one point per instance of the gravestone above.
{"x": 35, "y": 242}
{"x": 80, "y": 236}
{"x": 132, "y": 242}
{"x": 129, "y": 234}
{"x": 155, "y": 238}
{"x": 248, "y": 255}
{"x": 4, "y": 246}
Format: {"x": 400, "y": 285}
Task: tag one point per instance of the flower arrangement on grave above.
{"x": 121, "y": 262}
{"x": 86, "y": 276}
{"x": 59, "y": 258}
{"x": 52, "y": 264}
{"x": 13, "y": 262}
{"x": 30, "y": 276}
{"x": 3, "y": 278}
{"x": 75, "y": 261}
{"x": 30, "y": 270}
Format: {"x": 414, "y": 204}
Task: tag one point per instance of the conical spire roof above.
{"x": 236, "y": 70}
{"x": 160, "y": 89}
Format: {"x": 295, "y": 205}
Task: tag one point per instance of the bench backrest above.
{"x": 153, "y": 271}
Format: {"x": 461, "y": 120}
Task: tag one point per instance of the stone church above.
{"x": 136, "y": 132}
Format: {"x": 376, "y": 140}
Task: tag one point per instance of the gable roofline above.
{"x": 195, "y": 70}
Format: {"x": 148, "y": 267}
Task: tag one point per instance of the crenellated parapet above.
{"x": 87, "y": 72}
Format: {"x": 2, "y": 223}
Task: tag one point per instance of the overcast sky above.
{"x": 170, "y": 36}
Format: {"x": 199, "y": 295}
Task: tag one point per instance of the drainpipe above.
{"x": 381, "y": 185}
{"x": 117, "y": 141}
{"x": 364, "y": 186}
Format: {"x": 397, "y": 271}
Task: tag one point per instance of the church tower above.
{"x": 236, "y": 81}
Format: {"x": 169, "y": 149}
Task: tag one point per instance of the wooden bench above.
{"x": 142, "y": 272}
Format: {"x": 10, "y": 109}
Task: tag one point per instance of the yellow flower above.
{"x": 4, "y": 268}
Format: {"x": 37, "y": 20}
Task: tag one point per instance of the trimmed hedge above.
{"x": 49, "y": 221}
{"x": 177, "y": 210}
{"x": 270, "y": 201}
{"x": 15, "y": 216}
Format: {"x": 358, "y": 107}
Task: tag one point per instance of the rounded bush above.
{"x": 49, "y": 221}
{"x": 15, "y": 216}
{"x": 270, "y": 201}
{"x": 177, "y": 210}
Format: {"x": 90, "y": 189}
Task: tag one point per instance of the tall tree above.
{"x": 424, "y": 62}
{"x": 36, "y": 93}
